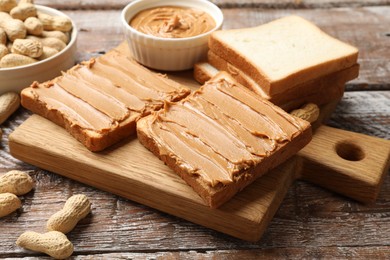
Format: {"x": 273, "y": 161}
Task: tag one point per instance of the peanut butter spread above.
{"x": 100, "y": 94}
{"x": 173, "y": 22}
{"x": 221, "y": 130}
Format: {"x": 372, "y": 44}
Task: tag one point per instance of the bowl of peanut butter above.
{"x": 170, "y": 35}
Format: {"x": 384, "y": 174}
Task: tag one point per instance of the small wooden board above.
{"x": 130, "y": 170}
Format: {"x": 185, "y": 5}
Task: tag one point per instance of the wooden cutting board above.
{"x": 349, "y": 163}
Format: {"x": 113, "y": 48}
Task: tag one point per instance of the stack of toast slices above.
{"x": 289, "y": 62}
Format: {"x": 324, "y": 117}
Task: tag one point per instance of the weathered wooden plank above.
{"x": 314, "y": 218}
{"x": 367, "y": 28}
{"x": 377, "y": 252}
{"x": 271, "y": 4}
{"x": 309, "y": 216}
{"x": 365, "y": 112}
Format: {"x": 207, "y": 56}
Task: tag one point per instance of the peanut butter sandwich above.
{"x": 99, "y": 101}
{"x": 222, "y": 137}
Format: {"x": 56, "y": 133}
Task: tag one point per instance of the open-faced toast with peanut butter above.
{"x": 99, "y": 101}
{"x": 222, "y": 137}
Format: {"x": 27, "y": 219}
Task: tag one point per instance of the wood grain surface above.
{"x": 311, "y": 223}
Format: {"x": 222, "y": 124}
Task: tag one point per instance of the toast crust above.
{"x": 93, "y": 140}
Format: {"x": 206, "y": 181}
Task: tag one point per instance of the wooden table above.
{"x": 311, "y": 222}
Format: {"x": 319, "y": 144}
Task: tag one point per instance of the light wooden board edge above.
{"x": 348, "y": 163}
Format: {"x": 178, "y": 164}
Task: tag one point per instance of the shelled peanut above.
{"x": 27, "y": 35}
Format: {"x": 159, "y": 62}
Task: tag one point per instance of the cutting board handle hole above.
{"x": 349, "y": 151}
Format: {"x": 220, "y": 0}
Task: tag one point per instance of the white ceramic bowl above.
{"x": 17, "y": 78}
{"x": 169, "y": 54}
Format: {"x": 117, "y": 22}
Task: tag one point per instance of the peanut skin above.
{"x": 53, "y": 243}
{"x": 76, "y": 208}
{"x": 8, "y": 203}
{"x": 16, "y": 182}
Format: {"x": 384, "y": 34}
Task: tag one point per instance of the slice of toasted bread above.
{"x": 98, "y": 102}
{"x": 222, "y": 137}
{"x": 283, "y": 53}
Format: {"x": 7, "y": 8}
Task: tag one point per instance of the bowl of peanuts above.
{"x": 37, "y": 43}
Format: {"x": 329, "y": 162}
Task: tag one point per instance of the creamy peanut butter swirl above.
{"x": 222, "y": 129}
{"x": 98, "y": 95}
{"x": 173, "y": 22}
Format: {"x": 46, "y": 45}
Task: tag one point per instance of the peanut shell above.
{"x": 53, "y": 243}
{"x": 16, "y": 182}
{"x": 27, "y": 47}
{"x": 7, "y": 5}
{"x": 76, "y": 208}
{"x": 23, "y": 11}
{"x": 8, "y": 203}
{"x": 9, "y": 103}
{"x": 14, "y": 60}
